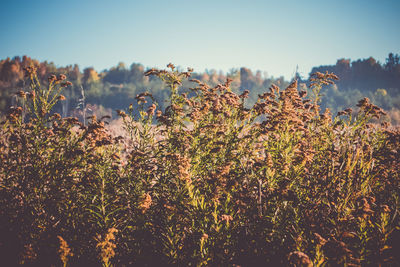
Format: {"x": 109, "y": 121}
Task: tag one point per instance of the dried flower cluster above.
{"x": 107, "y": 246}
{"x": 64, "y": 251}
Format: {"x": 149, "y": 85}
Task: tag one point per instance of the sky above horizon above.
{"x": 271, "y": 36}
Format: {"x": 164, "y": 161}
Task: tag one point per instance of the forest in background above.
{"x": 103, "y": 93}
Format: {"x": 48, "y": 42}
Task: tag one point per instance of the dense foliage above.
{"x": 213, "y": 182}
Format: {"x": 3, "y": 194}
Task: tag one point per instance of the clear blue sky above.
{"x": 271, "y": 36}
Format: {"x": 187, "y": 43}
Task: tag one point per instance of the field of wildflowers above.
{"x": 206, "y": 182}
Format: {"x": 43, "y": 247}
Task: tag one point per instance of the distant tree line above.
{"x": 102, "y": 93}
{"x": 364, "y": 78}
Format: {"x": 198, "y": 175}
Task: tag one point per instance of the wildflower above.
{"x": 184, "y": 169}
{"x": 228, "y": 82}
{"x": 245, "y": 94}
{"x": 62, "y": 77}
{"x": 121, "y": 113}
{"x": 57, "y": 116}
{"x": 196, "y": 81}
{"x": 107, "y": 246}
{"x": 274, "y": 89}
{"x": 15, "y": 110}
{"x": 363, "y": 102}
{"x": 65, "y": 84}
{"x": 145, "y": 203}
{"x": 61, "y": 98}
{"x": 327, "y": 116}
{"x": 151, "y": 109}
{"x": 204, "y": 236}
{"x": 227, "y": 218}
{"x": 177, "y": 109}
{"x": 150, "y": 72}
{"x": 52, "y": 78}
{"x": 385, "y": 208}
{"x": 269, "y": 160}
{"x": 171, "y": 66}
{"x": 141, "y": 99}
{"x": 348, "y": 110}
{"x": 64, "y": 251}
{"x": 292, "y": 86}
{"x": 30, "y": 70}
{"x": 29, "y": 254}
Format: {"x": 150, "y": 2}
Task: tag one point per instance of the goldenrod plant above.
{"x": 207, "y": 181}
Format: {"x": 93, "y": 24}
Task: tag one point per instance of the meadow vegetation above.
{"x": 101, "y": 93}
{"x": 206, "y": 181}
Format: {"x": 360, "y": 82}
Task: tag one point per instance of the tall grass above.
{"x": 210, "y": 183}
